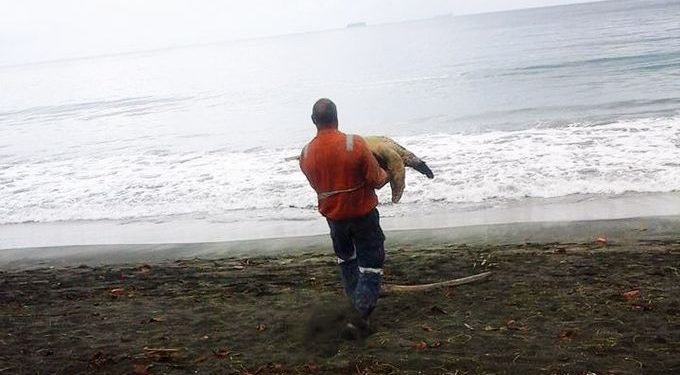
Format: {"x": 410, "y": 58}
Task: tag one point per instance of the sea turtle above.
{"x": 393, "y": 157}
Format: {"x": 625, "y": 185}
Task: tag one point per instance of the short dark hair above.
{"x": 324, "y": 112}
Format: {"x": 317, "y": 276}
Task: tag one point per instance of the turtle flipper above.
{"x": 421, "y": 167}
{"x": 391, "y": 161}
{"x": 409, "y": 158}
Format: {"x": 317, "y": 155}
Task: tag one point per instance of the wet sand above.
{"x": 622, "y": 231}
{"x": 555, "y": 306}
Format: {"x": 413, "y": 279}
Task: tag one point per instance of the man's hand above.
{"x": 388, "y": 178}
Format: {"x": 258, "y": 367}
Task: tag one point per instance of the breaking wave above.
{"x": 217, "y": 185}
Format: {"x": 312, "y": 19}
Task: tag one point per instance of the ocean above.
{"x": 562, "y": 103}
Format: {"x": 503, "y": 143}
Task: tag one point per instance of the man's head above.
{"x": 324, "y": 114}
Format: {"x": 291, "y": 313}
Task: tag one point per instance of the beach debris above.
{"x": 631, "y": 296}
{"x": 156, "y": 319}
{"x": 98, "y": 359}
{"x": 261, "y": 327}
{"x": 117, "y": 292}
{"x": 221, "y": 353}
{"x": 634, "y": 298}
{"x": 141, "y": 368}
{"x": 45, "y": 352}
{"x": 513, "y": 325}
{"x": 460, "y": 339}
{"x": 144, "y": 268}
{"x": 388, "y": 289}
{"x": 243, "y": 263}
{"x": 471, "y": 328}
{"x": 229, "y": 291}
{"x": 602, "y": 240}
{"x": 517, "y": 355}
{"x": 434, "y": 344}
{"x": 634, "y": 360}
{"x": 270, "y": 368}
{"x": 161, "y": 354}
{"x": 7, "y": 297}
{"x": 310, "y": 368}
{"x": 567, "y": 334}
{"x": 420, "y": 345}
{"x": 160, "y": 350}
{"x": 437, "y": 310}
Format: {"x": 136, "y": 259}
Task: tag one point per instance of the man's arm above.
{"x": 376, "y": 177}
{"x": 304, "y": 167}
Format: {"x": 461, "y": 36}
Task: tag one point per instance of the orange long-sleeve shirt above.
{"x": 343, "y": 172}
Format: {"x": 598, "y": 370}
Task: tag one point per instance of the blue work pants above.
{"x": 359, "y": 246}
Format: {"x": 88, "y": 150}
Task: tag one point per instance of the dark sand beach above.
{"x": 555, "y": 307}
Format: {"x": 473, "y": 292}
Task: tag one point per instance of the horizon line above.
{"x": 273, "y": 36}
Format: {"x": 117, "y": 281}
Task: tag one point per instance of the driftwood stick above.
{"x": 388, "y": 289}
{"x": 161, "y": 350}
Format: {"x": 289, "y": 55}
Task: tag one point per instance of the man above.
{"x": 345, "y": 174}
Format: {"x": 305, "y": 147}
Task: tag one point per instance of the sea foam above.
{"x": 488, "y": 168}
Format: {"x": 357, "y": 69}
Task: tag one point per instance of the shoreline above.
{"x": 398, "y": 217}
{"x": 617, "y": 231}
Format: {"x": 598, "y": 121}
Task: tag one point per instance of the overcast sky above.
{"x": 38, "y": 30}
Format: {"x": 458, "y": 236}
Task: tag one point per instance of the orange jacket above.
{"x": 343, "y": 172}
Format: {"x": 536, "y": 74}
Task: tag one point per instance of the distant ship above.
{"x": 356, "y": 24}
